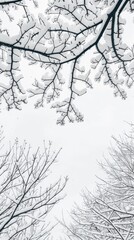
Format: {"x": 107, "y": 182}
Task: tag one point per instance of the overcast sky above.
{"x": 82, "y": 143}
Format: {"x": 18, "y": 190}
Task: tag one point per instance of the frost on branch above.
{"x": 61, "y": 36}
{"x": 27, "y": 193}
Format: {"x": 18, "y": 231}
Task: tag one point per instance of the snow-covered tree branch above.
{"x": 109, "y": 213}
{"x": 61, "y": 37}
{"x": 27, "y": 192}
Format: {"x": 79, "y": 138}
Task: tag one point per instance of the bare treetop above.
{"x": 27, "y": 192}
{"x": 61, "y": 37}
{"x": 108, "y": 214}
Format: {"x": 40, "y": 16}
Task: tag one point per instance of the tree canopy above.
{"x": 60, "y": 37}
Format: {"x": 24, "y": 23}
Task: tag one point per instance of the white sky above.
{"x": 82, "y": 143}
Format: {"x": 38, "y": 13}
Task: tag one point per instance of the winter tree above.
{"x": 109, "y": 213}
{"x": 27, "y": 192}
{"x": 58, "y": 39}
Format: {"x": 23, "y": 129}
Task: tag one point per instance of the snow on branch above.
{"x": 61, "y": 36}
{"x": 109, "y": 212}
